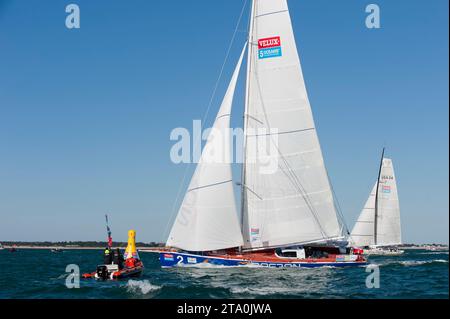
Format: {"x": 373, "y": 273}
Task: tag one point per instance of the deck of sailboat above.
{"x": 269, "y": 256}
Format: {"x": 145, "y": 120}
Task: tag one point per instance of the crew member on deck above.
{"x": 107, "y": 257}
{"x": 118, "y": 258}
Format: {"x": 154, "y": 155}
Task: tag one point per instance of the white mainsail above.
{"x": 379, "y": 222}
{"x": 388, "y": 211}
{"x": 294, "y": 203}
{"x": 207, "y": 219}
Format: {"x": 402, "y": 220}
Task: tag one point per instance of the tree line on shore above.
{"x": 122, "y": 244}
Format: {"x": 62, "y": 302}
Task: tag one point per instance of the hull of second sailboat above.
{"x": 181, "y": 259}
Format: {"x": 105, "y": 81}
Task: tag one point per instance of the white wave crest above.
{"x": 422, "y": 262}
{"x": 264, "y": 291}
{"x": 141, "y": 286}
{"x": 409, "y": 263}
{"x": 253, "y": 291}
{"x": 213, "y": 266}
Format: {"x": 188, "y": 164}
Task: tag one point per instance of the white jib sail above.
{"x": 388, "y": 217}
{"x": 363, "y": 232}
{"x": 287, "y": 197}
{"x": 207, "y": 219}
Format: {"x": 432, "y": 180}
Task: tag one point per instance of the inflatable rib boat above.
{"x": 117, "y": 267}
{"x": 112, "y": 271}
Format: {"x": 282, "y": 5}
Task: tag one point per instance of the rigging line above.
{"x": 180, "y": 188}
{"x": 338, "y": 205}
{"x": 225, "y": 61}
{"x": 301, "y": 189}
{"x": 270, "y": 13}
{"x": 282, "y": 133}
{"x": 250, "y": 16}
{"x": 250, "y": 26}
{"x": 294, "y": 179}
{"x": 376, "y": 200}
{"x": 174, "y": 206}
{"x": 341, "y": 214}
{"x": 307, "y": 200}
{"x": 209, "y": 185}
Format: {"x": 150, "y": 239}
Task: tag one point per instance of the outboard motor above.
{"x": 102, "y": 272}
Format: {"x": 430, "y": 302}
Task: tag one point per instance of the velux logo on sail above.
{"x": 269, "y": 47}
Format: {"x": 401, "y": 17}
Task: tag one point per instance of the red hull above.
{"x": 123, "y": 273}
{"x": 171, "y": 258}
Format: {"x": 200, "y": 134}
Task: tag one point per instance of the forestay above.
{"x": 207, "y": 219}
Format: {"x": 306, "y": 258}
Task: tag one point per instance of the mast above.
{"x": 246, "y": 104}
{"x": 287, "y": 197}
{"x": 376, "y": 200}
{"x": 108, "y": 231}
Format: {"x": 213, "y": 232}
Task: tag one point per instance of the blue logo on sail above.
{"x": 269, "y": 48}
{"x": 270, "y": 53}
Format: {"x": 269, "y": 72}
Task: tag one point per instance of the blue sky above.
{"x": 85, "y": 115}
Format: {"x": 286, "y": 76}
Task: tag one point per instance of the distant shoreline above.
{"x": 36, "y": 246}
{"x": 141, "y": 249}
{"x": 84, "y": 245}
{"x": 146, "y": 247}
{"x": 425, "y": 247}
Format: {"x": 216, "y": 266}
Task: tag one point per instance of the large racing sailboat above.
{"x": 288, "y": 214}
{"x": 378, "y": 229}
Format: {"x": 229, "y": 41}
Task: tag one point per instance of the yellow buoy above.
{"x": 131, "y": 251}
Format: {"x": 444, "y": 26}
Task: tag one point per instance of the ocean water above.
{"x": 42, "y": 274}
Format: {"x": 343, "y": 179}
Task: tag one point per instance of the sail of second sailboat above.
{"x": 378, "y": 229}
{"x": 288, "y": 216}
